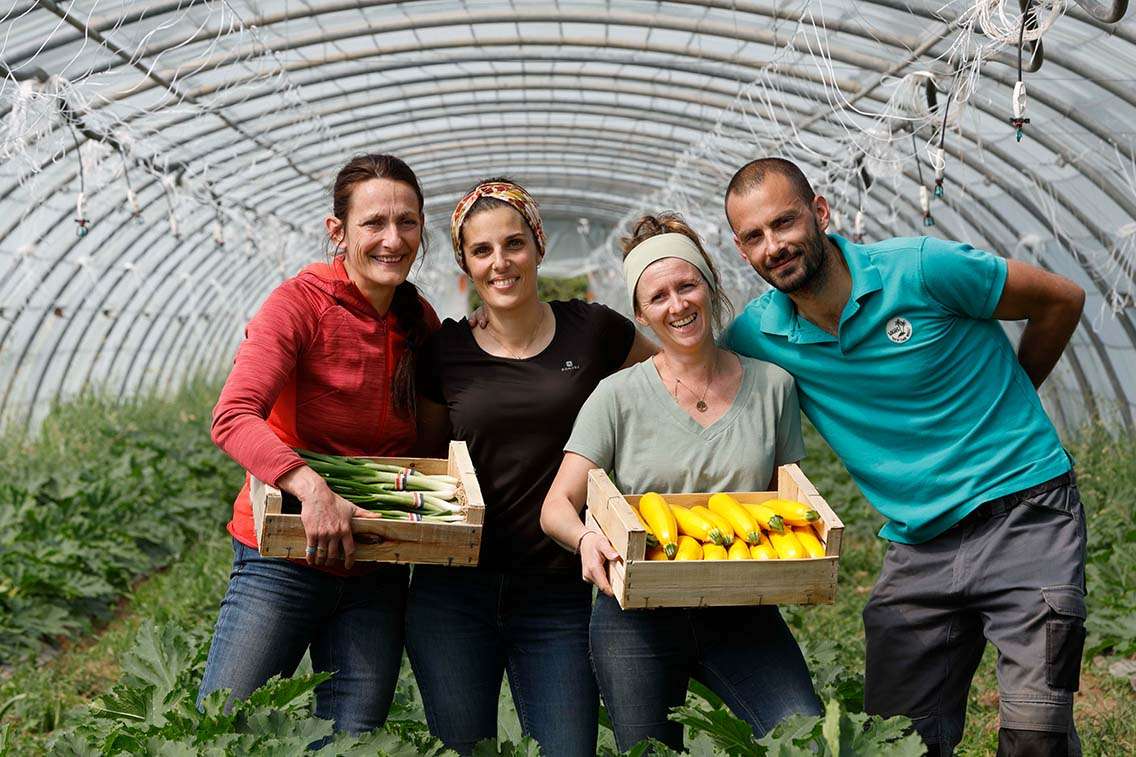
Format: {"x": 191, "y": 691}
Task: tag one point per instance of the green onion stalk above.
{"x": 417, "y": 518}
{"x": 391, "y": 488}
{"x": 340, "y": 460}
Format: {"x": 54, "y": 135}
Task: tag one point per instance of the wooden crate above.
{"x": 641, "y": 583}
{"x": 281, "y": 534}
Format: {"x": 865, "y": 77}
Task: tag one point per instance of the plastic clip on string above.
{"x": 1018, "y": 120}
{"x": 940, "y": 167}
{"x": 924, "y": 194}
{"x": 925, "y": 204}
{"x": 81, "y": 217}
{"x": 858, "y": 227}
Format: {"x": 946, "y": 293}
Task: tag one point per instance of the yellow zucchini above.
{"x": 724, "y": 527}
{"x": 809, "y": 541}
{"x": 693, "y": 524}
{"x": 688, "y": 549}
{"x": 739, "y": 551}
{"x": 652, "y": 540}
{"x": 661, "y": 521}
{"x": 794, "y": 513}
{"x": 765, "y": 516}
{"x": 745, "y": 527}
{"x": 763, "y": 551}
{"x": 656, "y": 553}
{"x": 713, "y": 552}
{"x": 787, "y": 545}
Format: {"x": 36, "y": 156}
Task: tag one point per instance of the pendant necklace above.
{"x": 700, "y": 405}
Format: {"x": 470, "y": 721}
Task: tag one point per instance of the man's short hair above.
{"x": 752, "y": 174}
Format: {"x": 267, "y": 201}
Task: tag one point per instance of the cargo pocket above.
{"x": 1064, "y": 636}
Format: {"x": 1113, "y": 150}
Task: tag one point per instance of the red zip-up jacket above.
{"x": 314, "y": 372}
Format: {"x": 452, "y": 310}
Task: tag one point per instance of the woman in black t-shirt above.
{"x": 511, "y": 391}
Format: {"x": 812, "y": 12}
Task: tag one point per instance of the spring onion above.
{"x": 393, "y": 492}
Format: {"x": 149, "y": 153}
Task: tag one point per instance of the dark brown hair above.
{"x": 721, "y": 309}
{"x": 752, "y": 174}
{"x": 406, "y": 306}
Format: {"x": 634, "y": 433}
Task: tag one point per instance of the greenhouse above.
{"x": 172, "y": 170}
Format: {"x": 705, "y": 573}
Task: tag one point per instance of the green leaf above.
{"x": 159, "y": 657}
{"x": 280, "y": 692}
{"x": 526, "y": 747}
{"x": 729, "y": 734}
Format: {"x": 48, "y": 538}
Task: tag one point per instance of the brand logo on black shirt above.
{"x": 569, "y": 366}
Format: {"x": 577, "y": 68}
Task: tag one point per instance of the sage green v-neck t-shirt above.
{"x": 632, "y": 427}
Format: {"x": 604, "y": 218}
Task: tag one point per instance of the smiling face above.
{"x": 780, "y": 234}
{"x": 501, "y": 257}
{"x": 674, "y": 301}
{"x": 380, "y": 234}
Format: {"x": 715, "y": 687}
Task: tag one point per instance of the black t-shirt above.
{"x": 516, "y": 416}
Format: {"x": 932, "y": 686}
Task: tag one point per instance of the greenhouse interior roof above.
{"x": 165, "y": 164}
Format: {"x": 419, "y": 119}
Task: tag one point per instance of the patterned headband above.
{"x": 507, "y": 192}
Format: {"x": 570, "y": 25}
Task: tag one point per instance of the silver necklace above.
{"x": 528, "y": 343}
{"x": 700, "y": 405}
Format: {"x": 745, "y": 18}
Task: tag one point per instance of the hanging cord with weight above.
{"x": 1018, "y": 119}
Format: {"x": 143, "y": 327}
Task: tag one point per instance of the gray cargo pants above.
{"x": 1013, "y": 573}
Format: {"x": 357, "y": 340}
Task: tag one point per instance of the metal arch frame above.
{"x": 1104, "y": 135}
{"x": 1105, "y": 185}
{"x": 1072, "y": 207}
{"x": 720, "y": 29}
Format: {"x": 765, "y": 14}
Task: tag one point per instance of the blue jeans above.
{"x": 645, "y": 658}
{"x": 275, "y": 610}
{"x": 467, "y": 627}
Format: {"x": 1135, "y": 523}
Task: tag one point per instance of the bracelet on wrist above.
{"x": 581, "y": 539}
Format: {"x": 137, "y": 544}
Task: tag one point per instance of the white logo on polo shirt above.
{"x": 898, "y": 330}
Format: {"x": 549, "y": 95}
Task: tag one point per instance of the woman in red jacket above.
{"x": 327, "y": 365}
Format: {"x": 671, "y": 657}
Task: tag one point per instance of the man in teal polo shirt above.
{"x": 902, "y": 366}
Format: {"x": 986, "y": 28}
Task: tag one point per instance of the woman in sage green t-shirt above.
{"x": 693, "y": 418}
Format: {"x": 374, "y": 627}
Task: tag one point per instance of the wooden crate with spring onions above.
{"x": 424, "y": 520}
{"x": 647, "y": 577}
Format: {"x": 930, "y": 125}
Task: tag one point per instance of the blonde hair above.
{"x": 645, "y": 227}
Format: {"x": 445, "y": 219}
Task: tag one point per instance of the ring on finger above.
{"x": 311, "y": 550}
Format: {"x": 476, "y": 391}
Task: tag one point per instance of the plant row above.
{"x": 103, "y": 494}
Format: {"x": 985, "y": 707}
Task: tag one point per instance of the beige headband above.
{"x": 671, "y": 245}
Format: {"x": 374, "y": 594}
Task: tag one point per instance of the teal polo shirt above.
{"x": 920, "y": 392}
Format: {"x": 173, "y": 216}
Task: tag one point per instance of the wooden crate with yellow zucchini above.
{"x": 719, "y": 548}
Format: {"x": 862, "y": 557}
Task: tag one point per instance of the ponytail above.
{"x": 411, "y": 319}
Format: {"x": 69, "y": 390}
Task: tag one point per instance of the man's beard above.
{"x": 810, "y": 268}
